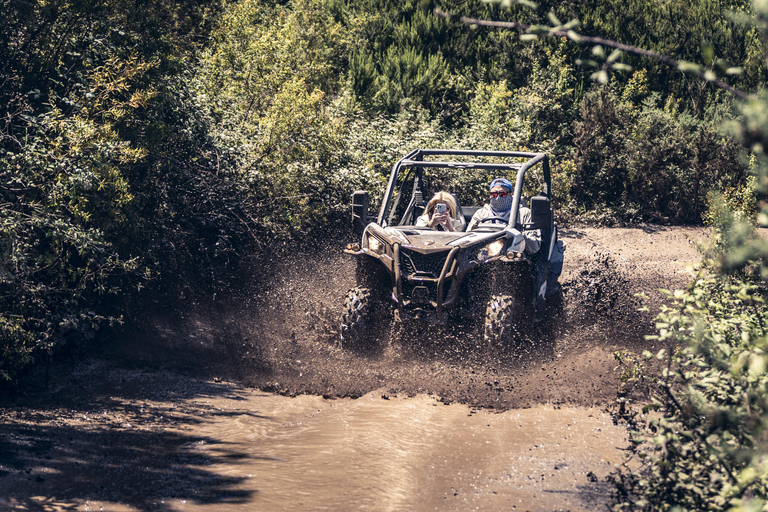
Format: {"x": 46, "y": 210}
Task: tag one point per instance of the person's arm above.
{"x": 476, "y": 218}
{"x": 424, "y": 221}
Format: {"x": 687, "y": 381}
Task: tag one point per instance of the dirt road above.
{"x": 258, "y": 408}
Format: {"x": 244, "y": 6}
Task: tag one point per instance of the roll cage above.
{"x": 415, "y": 161}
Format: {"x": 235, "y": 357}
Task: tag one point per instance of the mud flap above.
{"x": 555, "y": 267}
{"x": 547, "y": 274}
{"x": 540, "y": 289}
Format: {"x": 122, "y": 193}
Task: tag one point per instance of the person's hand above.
{"x": 442, "y": 219}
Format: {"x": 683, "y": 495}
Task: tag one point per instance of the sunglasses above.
{"x": 500, "y": 194}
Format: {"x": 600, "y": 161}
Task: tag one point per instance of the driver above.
{"x": 500, "y": 205}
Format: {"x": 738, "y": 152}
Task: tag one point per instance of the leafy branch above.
{"x": 559, "y": 29}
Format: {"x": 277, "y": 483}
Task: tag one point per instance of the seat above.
{"x": 469, "y": 212}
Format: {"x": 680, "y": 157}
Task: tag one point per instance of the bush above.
{"x": 83, "y": 120}
{"x": 271, "y": 113}
{"x": 601, "y": 138}
{"x": 57, "y": 270}
{"x": 700, "y": 443}
{"x": 649, "y": 162}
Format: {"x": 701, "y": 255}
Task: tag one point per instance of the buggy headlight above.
{"x": 489, "y": 251}
{"x": 375, "y": 244}
{"x": 495, "y": 248}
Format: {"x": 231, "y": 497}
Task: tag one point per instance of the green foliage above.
{"x": 650, "y": 161}
{"x": 537, "y": 115}
{"x": 700, "y": 444}
{"x": 561, "y": 174}
{"x": 271, "y": 111}
{"x": 731, "y": 214}
{"x": 81, "y": 82}
{"x": 407, "y": 56}
{"x": 403, "y": 67}
{"x": 690, "y": 31}
{"x": 57, "y": 268}
{"x": 601, "y": 138}
{"x": 372, "y": 146}
{"x": 677, "y": 159}
{"x": 407, "y": 75}
{"x": 749, "y": 249}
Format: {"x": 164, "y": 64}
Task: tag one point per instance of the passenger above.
{"x": 442, "y": 221}
{"x": 500, "y": 205}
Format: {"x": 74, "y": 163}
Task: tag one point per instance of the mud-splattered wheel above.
{"x": 361, "y": 318}
{"x": 505, "y": 320}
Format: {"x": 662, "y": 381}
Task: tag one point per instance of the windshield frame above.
{"x": 415, "y": 160}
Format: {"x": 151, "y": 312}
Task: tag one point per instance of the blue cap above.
{"x": 504, "y": 182}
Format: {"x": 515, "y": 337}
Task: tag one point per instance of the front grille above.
{"x": 431, "y": 287}
{"x": 425, "y": 265}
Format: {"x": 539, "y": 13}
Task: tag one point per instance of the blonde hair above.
{"x": 446, "y": 198}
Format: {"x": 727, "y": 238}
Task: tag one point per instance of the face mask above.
{"x": 501, "y": 204}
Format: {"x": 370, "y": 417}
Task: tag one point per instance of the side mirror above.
{"x": 360, "y": 219}
{"x": 541, "y": 212}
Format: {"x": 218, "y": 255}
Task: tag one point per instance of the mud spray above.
{"x": 288, "y": 332}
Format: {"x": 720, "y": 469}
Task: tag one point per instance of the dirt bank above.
{"x": 183, "y": 416}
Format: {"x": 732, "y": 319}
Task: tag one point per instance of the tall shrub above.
{"x": 85, "y": 115}
{"x": 267, "y": 82}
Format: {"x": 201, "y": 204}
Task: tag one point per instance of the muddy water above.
{"x": 138, "y": 437}
{"x": 412, "y": 454}
{"x": 376, "y": 453}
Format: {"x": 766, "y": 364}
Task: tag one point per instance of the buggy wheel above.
{"x": 361, "y": 318}
{"x": 505, "y": 321}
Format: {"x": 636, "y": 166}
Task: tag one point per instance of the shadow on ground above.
{"x": 116, "y": 434}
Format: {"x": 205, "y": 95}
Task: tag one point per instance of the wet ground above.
{"x": 258, "y": 408}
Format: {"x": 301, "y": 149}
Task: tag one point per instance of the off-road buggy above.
{"x": 485, "y": 275}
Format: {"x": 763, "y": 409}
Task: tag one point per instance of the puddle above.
{"x": 256, "y": 451}
{"x": 417, "y": 454}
